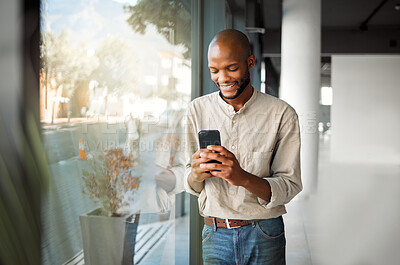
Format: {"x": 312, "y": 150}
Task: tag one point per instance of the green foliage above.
{"x": 111, "y": 177}
{"x": 171, "y": 18}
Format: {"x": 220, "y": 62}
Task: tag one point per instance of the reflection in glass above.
{"x": 115, "y": 77}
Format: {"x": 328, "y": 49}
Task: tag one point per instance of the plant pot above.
{"x": 108, "y": 240}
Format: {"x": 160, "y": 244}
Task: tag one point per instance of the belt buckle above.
{"x": 229, "y": 226}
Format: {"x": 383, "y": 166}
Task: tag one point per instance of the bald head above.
{"x": 229, "y": 61}
{"x": 232, "y": 39}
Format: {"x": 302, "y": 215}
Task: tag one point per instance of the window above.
{"x": 326, "y": 96}
{"x": 114, "y": 82}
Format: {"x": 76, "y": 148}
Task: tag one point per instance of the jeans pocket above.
{"x": 206, "y": 233}
{"x": 271, "y": 228}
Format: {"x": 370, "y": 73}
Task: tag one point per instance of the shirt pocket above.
{"x": 258, "y": 163}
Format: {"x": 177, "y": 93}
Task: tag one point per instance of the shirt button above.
{"x": 233, "y": 147}
{"x": 234, "y": 121}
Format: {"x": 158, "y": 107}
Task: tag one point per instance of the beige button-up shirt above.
{"x": 264, "y": 136}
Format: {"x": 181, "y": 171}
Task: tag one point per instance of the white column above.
{"x": 300, "y": 77}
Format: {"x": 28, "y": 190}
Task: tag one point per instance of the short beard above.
{"x": 244, "y": 83}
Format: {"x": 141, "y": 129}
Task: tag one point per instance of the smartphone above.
{"x": 209, "y": 137}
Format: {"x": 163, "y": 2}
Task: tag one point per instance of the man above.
{"x": 242, "y": 198}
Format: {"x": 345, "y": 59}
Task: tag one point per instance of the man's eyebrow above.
{"x": 233, "y": 64}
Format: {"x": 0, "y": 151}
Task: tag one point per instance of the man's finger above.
{"x": 219, "y": 174}
{"x": 196, "y": 155}
{"x": 201, "y": 172}
{"x": 201, "y": 160}
{"x": 215, "y": 156}
{"x": 220, "y": 149}
{"x": 198, "y": 152}
{"x": 212, "y": 166}
{"x": 201, "y": 152}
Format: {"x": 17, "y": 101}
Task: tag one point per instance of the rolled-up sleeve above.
{"x": 285, "y": 178}
{"x": 188, "y": 188}
{"x": 190, "y": 146}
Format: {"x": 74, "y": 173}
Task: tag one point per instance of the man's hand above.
{"x": 198, "y": 174}
{"x": 229, "y": 169}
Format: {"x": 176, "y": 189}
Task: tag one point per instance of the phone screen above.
{"x": 209, "y": 137}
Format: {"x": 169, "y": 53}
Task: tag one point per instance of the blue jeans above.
{"x": 261, "y": 242}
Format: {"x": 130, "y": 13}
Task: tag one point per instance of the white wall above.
{"x": 366, "y": 109}
{"x": 357, "y": 206}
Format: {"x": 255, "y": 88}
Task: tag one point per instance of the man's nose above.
{"x": 223, "y": 77}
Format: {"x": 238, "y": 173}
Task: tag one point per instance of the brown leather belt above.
{"x": 229, "y": 223}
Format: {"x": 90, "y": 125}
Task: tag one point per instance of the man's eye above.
{"x": 214, "y": 71}
{"x": 233, "y": 69}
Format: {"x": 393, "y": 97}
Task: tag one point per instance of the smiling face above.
{"x": 229, "y": 66}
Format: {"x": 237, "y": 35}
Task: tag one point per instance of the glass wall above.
{"x": 114, "y": 83}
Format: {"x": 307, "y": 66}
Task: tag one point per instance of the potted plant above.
{"x": 108, "y": 234}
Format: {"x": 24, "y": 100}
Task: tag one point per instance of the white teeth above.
{"x": 228, "y": 86}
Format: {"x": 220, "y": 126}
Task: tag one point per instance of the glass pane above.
{"x": 114, "y": 83}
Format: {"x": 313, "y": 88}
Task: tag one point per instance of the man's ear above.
{"x": 251, "y": 61}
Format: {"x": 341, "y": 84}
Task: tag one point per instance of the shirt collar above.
{"x": 229, "y": 108}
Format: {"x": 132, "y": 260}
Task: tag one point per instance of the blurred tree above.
{"x": 63, "y": 67}
{"x": 62, "y": 64}
{"x": 118, "y": 66}
{"x": 171, "y": 18}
